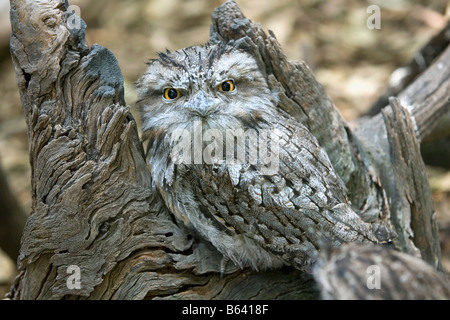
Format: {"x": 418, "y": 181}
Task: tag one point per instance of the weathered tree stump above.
{"x": 92, "y": 208}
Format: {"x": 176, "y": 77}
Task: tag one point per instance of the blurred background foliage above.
{"x": 351, "y": 61}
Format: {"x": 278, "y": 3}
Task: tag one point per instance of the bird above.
{"x": 234, "y": 168}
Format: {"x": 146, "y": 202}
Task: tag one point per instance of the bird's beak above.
{"x": 202, "y": 104}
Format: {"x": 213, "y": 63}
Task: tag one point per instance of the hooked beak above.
{"x": 203, "y": 105}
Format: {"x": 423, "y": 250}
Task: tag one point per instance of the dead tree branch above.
{"x": 92, "y": 205}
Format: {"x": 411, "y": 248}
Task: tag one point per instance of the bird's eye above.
{"x": 171, "y": 93}
{"x": 227, "y": 86}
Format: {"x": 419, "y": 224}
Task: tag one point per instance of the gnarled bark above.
{"x": 92, "y": 206}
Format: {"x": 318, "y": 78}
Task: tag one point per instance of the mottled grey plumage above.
{"x": 255, "y": 219}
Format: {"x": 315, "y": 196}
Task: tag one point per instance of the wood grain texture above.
{"x": 92, "y": 205}
{"x": 368, "y": 272}
{"x": 410, "y": 168}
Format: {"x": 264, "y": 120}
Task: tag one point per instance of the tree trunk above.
{"x": 435, "y": 144}
{"x": 94, "y": 218}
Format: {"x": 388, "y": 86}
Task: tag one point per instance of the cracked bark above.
{"x": 92, "y": 205}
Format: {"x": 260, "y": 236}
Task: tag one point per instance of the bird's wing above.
{"x": 292, "y": 211}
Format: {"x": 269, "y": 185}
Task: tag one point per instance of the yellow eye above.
{"x": 227, "y": 86}
{"x": 171, "y": 93}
